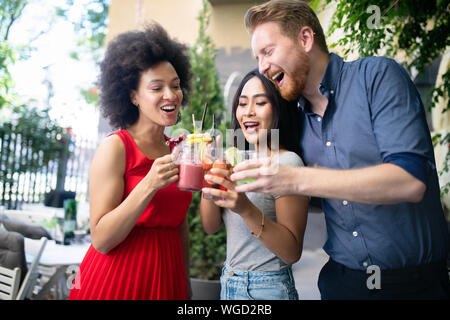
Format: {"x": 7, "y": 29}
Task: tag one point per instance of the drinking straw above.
{"x": 203, "y": 117}
{"x": 193, "y": 122}
{"x": 214, "y": 126}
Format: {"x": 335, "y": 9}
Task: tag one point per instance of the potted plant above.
{"x": 207, "y": 253}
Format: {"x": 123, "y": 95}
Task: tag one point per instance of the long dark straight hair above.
{"x": 285, "y": 114}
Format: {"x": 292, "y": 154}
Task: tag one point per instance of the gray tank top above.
{"x": 245, "y": 252}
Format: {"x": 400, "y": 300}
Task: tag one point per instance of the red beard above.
{"x": 296, "y": 81}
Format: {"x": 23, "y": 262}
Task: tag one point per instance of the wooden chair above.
{"x": 9, "y": 283}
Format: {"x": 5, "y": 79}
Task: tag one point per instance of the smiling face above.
{"x": 254, "y": 111}
{"x": 159, "y": 94}
{"x": 280, "y": 59}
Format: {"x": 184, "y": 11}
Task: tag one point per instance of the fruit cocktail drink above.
{"x": 209, "y": 164}
{"x": 191, "y": 170}
{"x": 215, "y": 158}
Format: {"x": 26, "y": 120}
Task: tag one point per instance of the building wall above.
{"x": 227, "y": 25}
{"x": 178, "y": 17}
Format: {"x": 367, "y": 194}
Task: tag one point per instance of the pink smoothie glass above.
{"x": 190, "y": 168}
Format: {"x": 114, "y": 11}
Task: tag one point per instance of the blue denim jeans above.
{"x": 257, "y": 285}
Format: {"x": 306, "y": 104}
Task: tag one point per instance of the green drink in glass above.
{"x": 235, "y": 156}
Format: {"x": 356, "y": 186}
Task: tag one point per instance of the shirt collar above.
{"x": 329, "y": 79}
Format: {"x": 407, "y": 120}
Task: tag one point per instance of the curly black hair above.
{"x": 127, "y": 56}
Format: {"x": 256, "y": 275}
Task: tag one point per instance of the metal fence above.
{"x": 28, "y": 172}
{"x": 78, "y": 164}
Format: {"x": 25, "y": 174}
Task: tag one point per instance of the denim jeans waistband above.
{"x": 257, "y": 285}
{"x": 257, "y": 276}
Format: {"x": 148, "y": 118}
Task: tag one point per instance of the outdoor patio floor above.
{"x": 306, "y": 272}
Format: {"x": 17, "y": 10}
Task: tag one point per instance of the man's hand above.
{"x": 380, "y": 184}
{"x": 270, "y": 177}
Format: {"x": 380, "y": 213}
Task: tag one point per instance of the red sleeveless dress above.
{"x": 148, "y": 264}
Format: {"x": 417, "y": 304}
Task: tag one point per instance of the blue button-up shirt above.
{"x": 374, "y": 111}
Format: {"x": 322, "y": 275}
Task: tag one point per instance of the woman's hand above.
{"x": 237, "y": 202}
{"x": 162, "y": 173}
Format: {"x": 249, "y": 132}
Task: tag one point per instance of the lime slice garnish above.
{"x": 232, "y": 156}
{"x": 195, "y": 136}
{"x": 196, "y": 140}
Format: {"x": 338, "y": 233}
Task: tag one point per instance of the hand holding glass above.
{"x": 213, "y": 158}
{"x": 244, "y": 155}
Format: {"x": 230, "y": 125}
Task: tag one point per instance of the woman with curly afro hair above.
{"x": 140, "y": 247}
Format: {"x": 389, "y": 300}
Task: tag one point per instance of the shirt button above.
{"x": 365, "y": 264}
{"x": 332, "y": 91}
{"x": 328, "y": 143}
{"x": 345, "y": 202}
{"x": 319, "y": 119}
{"x": 355, "y": 234}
